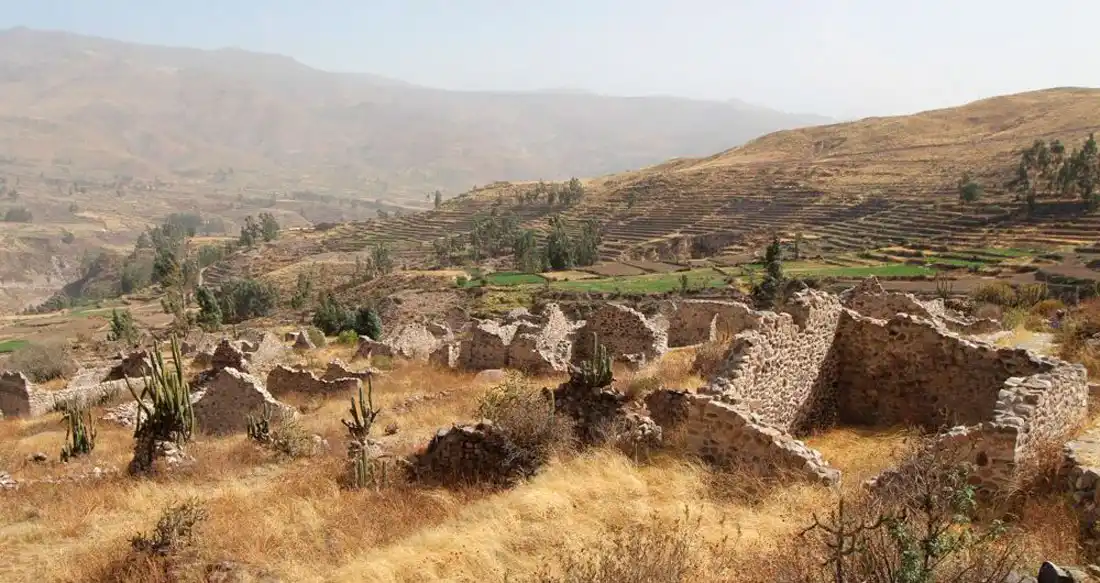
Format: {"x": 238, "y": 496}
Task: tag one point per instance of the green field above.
{"x": 11, "y": 345}
{"x": 886, "y": 270}
{"x": 653, "y": 283}
{"x": 507, "y": 278}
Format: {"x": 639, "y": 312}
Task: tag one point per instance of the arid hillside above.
{"x": 98, "y": 108}
{"x": 845, "y": 189}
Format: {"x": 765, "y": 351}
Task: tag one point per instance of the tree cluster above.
{"x": 255, "y": 231}
{"x": 553, "y": 193}
{"x": 333, "y": 317}
{"x": 236, "y": 301}
{"x": 564, "y": 251}
{"x": 1048, "y": 170}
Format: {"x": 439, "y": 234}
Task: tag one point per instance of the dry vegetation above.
{"x": 592, "y": 516}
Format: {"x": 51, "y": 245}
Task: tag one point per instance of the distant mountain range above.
{"x": 102, "y": 108}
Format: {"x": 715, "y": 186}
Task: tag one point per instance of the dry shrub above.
{"x": 527, "y": 416}
{"x": 1003, "y": 294}
{"x": 1048, "y": 307}
{"x": 921, "y": 526}
{"x": 658, "y": 550}
{"x": 988, "y": 311}
{"x": 1074, "y": 332}
{"x": 45, "y": 361}
{"x": 640, "y": 386}
{"x": 710, "y": 357}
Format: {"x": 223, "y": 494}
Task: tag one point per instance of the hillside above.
{"x": 847, "y": 189}
{"x": 94, "y": 108}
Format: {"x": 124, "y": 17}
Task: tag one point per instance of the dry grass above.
{"x": 303, "y": 527}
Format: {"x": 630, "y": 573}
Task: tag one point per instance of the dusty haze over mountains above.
{"x": 102, "y": 107}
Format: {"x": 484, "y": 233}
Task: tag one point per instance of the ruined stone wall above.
{"x": 1044, "y": 408}
{"x": 724, "y": 434}
{"x": 230, "y": 397}
{"x": 869, "y": 298}
{"x": 282, "y": 380}
{"x": 21, "y": 398}
{"x": 693, "y": 322}
{"x": 486, "y": 345}
{"x": 546, "y": 347}
{"x": 624, "y": 331}
{"x": 904, "y": 370}
{"x": 784, "y": 368}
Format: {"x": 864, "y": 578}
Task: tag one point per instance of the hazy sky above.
{"x": 843, "y": 58}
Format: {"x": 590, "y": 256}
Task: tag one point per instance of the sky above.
{"x": 840, "y": 58}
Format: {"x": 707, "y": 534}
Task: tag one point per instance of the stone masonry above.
{"x": 230, "y": 397}
{"x": 783, "y": 367}
{"x": 693, "y": 322}
{"x": 624, "y": 331}
{"x": 283, "y": 379}
{"x": 818, "y": 363}
{"x": 870, "y": 299}
{"x": 724, "y": 434}
{"x": 21, "y": 398}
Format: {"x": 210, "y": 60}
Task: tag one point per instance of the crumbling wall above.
{"x": 905, "y": 371}
{"x": 472, "y": 454}
{"x": 230, "y": 397}
{"x": 724, "y": 434}
{"x": 487, "y": 345}
{"x": 624, "y": 331}
{"x": 543, "y": 347}
{"x": 784, "y": 369}
{"x": 21, "y": 398}
{"x": 870, "y": 299}
{"x": 283, "y": 379}
{"x": 693, "y": 322}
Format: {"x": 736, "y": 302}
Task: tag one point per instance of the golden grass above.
{"x": 292, "y": 518}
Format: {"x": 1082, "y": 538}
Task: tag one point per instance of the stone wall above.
{"x": 905, "y": 371}
{"x": 693, "y": 322}
{"x": 283, "y": 379}
{"x": 869, "y": 298}
{"x": 487, "y": 345}
{"x": 480, "y": 453}
{"x": 21, "y": 398}
{"x": 230, "y": 397}
{"x": 783, "y": 369}
{"x": 624, "y": 331}
{"x": 724, "y": 434}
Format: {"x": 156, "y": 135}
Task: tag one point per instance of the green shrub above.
{"x": 348, "y": 338}
{"x": 123, "y": 328}
{"x": 367, "y": 323}
{"x": 244, "y": 299}
{"x": 164, "y": 409}
{"x": 316, "y": 336}
{"x": 332, "y": 317}
{"x": 43, "y": 362}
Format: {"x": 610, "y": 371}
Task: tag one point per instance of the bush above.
{"x": 527, "y": 417}
{"x": 174, "y": 530}
{"x": 348, "y": 337}
{"x": 18, "y": 215}
{"x": 1048, "y": 307}
{"x": 367, "y": 323}
{"x": 998, "y": 293}
{"x": 123, "y": 328}
{"x": 332, "y": 317}
{"x": 244, "y": 299}
{"x": 316, "y": 336}
{"x": 43, "y": 362}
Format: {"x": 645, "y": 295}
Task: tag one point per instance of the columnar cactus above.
{"x": 80, "y": 433}
{"x": 168, "y": 415}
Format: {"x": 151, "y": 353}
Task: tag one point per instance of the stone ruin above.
{"x": 870, "y": 299}
{"x": 19, "y": 397}
{"x": 228, "y": 400}
{"x": 471, "y": 454}
{"x": 283, "y": 379}
{"x": 817, "y": 363}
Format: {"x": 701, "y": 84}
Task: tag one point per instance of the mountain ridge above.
{"x": 111, "y": 107}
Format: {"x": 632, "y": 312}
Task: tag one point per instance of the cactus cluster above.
{"x": 595, "y": 372}
{"x": 363, "y": 414}
{"x": 259, "y": 427}
{"x": 80, "y": 433}
{"x": 164, "y": 408}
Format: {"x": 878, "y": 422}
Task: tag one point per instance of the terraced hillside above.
{"x": 844, "y": 188}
